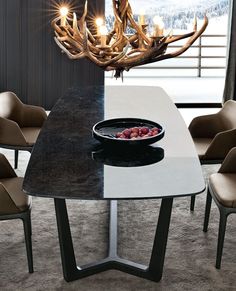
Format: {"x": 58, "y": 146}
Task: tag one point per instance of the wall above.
{"x": 31, "y": 64}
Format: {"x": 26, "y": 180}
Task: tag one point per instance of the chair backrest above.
{"x": 10, "y": 106}
{"x": 7, "y": 205}
{"x": 6, "y": 170}
{"x": 229, "y": 163}
{"x": 228, "y": 115}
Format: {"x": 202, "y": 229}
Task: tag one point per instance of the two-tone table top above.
{"x": 63, "y": 163}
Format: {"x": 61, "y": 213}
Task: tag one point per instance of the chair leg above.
{"x": 192, "y": 204}
{"x": 16, "y": 158}
{"x": 28, "y": 240}
{"x": 207, "y": 211}
{"x": 221, "y": 236}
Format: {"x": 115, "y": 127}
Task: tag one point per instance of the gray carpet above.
{"x": 190, "y": 255}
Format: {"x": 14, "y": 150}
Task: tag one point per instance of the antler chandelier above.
{"x": 117, "y": 50}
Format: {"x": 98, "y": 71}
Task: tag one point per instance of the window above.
{"x": 205, "y": 59}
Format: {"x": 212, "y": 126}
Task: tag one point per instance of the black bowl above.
{"x": 105, "y": 131}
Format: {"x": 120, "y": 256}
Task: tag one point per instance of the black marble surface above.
{"x": 67, "y": 162}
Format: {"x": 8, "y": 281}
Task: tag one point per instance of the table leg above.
{"x": 113, "y": 230}
{"x": 160, "y": 241}
{"x": 112, "y": 261}
{"x": 71, "y": 271}
{"x": 65, "y": 240}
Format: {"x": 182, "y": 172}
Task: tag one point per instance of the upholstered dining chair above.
{"x": 20, "y": 124}
{"x": 222, "y": 188}
{"x": 214, "y": 135}
{"x": 14, "y": 204}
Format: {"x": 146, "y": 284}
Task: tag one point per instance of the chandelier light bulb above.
{"x": 99, "y": 22}
{"x": 157, "y": 20}
{"x": 103, "y": 30}
{"x": 158, "y": 26}
{"x": 64, "y": 11}
{"x": 142, "y": 19}
{"x": 103, "y": 33}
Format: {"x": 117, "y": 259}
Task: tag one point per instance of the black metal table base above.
{"x": 152, "y": 272}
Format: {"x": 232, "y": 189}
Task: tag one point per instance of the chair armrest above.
{"x": 6, "y": 170}
{"x": 205, "y": 126}
{"x": 221, "y": 144}
{"x": 229, "y": 163}
{"x": 10, "y": 133}
{"x": 7, "y": 205}
{"x": 33, "y": 116}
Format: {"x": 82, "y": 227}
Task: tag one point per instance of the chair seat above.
{"x": 30, "y": 134}
{"x": 14, "y": 188}
{"x": 223, "y": 186}
{"x": 202, "y": 145}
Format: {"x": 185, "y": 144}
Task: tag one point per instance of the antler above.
{"x": 120, "y": 52}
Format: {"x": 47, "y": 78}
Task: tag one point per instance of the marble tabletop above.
{"x": 67, "y": 162}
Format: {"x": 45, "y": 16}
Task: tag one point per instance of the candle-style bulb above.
{"x": 142, "y": 17}
{"x": 103, "y": 30}
{"x": 103, "y": 33}
{"x": 99, "y": 22}
{"x": 158, "y": 26}
{"x": 158, "y": 21}
{"x": 63, "y": 11}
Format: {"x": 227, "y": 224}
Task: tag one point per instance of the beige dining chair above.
{"x": 222, "y": 188}
{"x": 14, "y": 204}
{"x": 214, "y": 135}
{"x": 20, "y": 124}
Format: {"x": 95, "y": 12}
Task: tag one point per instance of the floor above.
{"x": 190, "y": 253}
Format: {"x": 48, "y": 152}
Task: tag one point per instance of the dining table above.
{"x": 67, "y": 162}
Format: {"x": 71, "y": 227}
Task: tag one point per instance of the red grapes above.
{"x": 137, "y": 132}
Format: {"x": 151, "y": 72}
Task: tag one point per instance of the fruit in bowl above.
{"x": 137, "y": 133}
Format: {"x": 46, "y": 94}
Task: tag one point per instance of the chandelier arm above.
{"x": 108, "y": 63}
{"x": 71, "y": 34}
{"x": 78, "y": 38}
{"x": 82, "y": 18}
{"x": 87, "y": 52}
{"x": 146, "y": 55}
{"x": 134, "y": 51}
{"x": 120, "y": 23}
{"x": 91, "y": 36}
{"x": 184, "y": 47}
{"x": 70, "y": 41}
{"x": 121, "y": 38}
{"x": 68, "y": 53}
{"x": 179, "y": 37}
{"x": 139, "y": 30}
{"x": 77, "y": 32}
{"x": 120, "y": 43}
{"x": 56, "y": 27}
{"x": 75, "y": 40}
{"x": 133, "y": 40}
{"x": 110, "y": 35}
{"x": 117, "y": 17}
